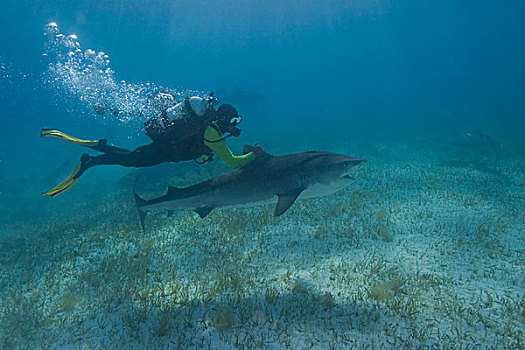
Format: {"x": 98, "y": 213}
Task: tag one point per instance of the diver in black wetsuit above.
{"x": 198, "y": 132}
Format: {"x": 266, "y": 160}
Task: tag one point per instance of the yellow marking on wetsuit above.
{"x": 63, "y": 136}
{"x": 221, "y": 149}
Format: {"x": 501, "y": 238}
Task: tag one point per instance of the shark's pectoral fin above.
{"x": 170, "y": 213}
{"x": 286, "y": 200}
{"x": 203, "y": 211}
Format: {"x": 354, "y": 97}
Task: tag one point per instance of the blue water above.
{"x": 352, "y": 65}
{"x": 371, "y": 79}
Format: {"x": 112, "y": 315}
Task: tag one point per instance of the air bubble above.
{"x": 89, "y": 53}
{"x": 50, "y": 28}
{"x": 69, "y": 44}
{"x": 85, "y": 76}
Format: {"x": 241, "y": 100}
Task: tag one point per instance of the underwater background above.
{"x": 425, "y": 250}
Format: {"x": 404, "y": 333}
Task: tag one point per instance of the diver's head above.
{"x": 228, "y": 118}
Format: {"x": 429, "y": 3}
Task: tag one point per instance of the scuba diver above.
{"x": 197, "y": 132}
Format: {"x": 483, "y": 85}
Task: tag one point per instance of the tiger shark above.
{"x": 267, "y": 179}
{"x": 478, "y": 143}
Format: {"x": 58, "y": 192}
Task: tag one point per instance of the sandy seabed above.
{"x": 419, "y": 253}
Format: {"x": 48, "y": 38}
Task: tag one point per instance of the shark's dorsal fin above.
{"x": 203, "y": 211}
{"x": 286, "y": 200}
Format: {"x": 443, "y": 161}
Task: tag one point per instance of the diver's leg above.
{"x": 144, "y": 156}
{"x": 141, "y": 157}
{"x": 102, "y": 146}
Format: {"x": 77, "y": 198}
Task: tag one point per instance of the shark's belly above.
{"x": 241, "y": 199}
{"x": 249, "y": 196}
{"x": 319, "y": 190}
{"x": 234, "y": 199}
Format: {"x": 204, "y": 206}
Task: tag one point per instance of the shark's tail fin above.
{"x": 140, "y": 203}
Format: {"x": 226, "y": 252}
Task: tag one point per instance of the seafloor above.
{"x": 423, "y": 251}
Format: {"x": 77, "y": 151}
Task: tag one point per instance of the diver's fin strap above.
{"x": 65, "y": 185}
{"x": 63, "y": 136}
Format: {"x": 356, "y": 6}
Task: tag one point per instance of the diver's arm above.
{"x": 213, "y": 140}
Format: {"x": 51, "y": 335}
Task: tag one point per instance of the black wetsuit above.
{"x": 172, "y": 141}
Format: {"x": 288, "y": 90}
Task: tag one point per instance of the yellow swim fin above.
{"x": 63, "y": 136}
{"x": 71, "y": 180}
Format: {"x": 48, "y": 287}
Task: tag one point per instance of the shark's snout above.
{"x": 351, "y": 165}
{"x": 345, "y": 169}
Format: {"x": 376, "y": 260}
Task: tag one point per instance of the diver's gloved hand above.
{"x": 258, "y": 150}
